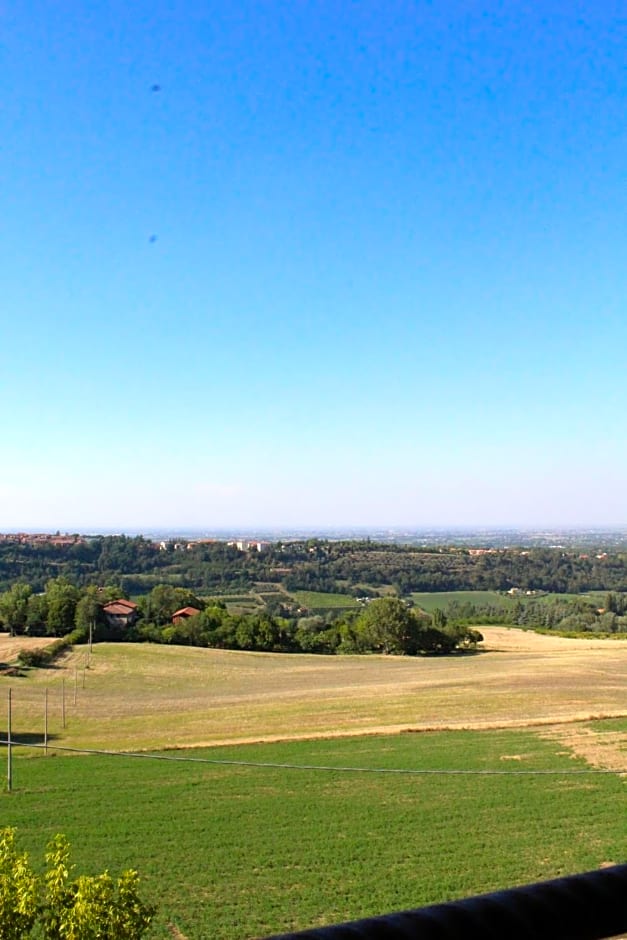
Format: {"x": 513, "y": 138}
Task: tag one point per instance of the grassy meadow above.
{"x": 232, "y": 850}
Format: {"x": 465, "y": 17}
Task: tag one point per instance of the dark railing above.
{"x": 589, "y": 906}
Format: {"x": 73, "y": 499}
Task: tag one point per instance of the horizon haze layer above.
{"x": 495, "y": 536}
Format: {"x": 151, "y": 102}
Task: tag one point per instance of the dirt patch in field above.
{"x": 606, "y": 750}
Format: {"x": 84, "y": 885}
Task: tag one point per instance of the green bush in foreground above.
{"x": 59, "y": 906}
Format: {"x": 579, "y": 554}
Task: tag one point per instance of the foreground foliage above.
{"x": 59, "y": 906}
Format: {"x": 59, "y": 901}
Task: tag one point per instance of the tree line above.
{"x": 386, "y": 625}
{"x": 564, "y": 615}
{"x": 138, "y": 565}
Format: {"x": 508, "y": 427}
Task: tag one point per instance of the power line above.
{"x": 586, "y": 771}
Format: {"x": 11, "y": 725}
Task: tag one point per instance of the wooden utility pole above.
{"x": 63, "y": 702}
{"x": 9, "y": 754}
{"x": 46, "y": 720}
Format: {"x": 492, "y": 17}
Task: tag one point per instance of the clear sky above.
{"x": 349, "y": 263}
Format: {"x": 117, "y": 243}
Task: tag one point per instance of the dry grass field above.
{"x": 9, "y": 645}
{"x": 146, "y": 697}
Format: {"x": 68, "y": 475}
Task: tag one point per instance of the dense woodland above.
{"x": 137, "y": 565}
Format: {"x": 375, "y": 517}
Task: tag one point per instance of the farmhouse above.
{"x": 184, "y": 613}
{"x": 120, "y": 613}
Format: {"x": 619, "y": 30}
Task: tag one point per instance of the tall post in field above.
{"x": 46, "y": 720}
{"x": 63, "y": 703}
{"x": 9, "y": 755}
{"x": 75, "y": 683}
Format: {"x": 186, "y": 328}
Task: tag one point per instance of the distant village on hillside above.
{"x": 475, "y": 539}
{"x": 66, "y": 540}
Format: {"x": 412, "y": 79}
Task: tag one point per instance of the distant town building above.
{"x": 246, "y": 545}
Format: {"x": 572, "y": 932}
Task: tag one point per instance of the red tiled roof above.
{"x": 186, "y": 612}
{"x": 118, "y": 608}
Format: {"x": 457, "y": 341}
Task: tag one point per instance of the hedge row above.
{"x": 44, "y": 656}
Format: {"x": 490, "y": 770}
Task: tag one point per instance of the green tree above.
{"x": 14, "y": 607}
{"x": 88, "y": 612}
{"x": 433, "y": 640}
{"x": 164, "y": 600}
{"x": 315, "y": 635}
{"x": 387, "y": 625}
{"x": 261, "y": 632}
{"x": 463, "y": 637}
{"x": 37, "y": 614}
{"x": 187, "y": 630}
{"x": 62, "y": 597}
{"x": 608, "y": 623}
{"x": 439, "y": 618}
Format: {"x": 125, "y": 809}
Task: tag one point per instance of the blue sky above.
{"x": 352, "y": 264}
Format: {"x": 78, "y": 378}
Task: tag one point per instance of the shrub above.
{"x": 36, "y": 657}
{"x": 18, "y": 890}
{"x": 47, "y": 655}
{"x": 60, "y": 906}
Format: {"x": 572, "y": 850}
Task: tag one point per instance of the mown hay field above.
{"x": 9, "y": 645}
{"x": 146, "y": 696}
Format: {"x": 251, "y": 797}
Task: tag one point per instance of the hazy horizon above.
{"x": 463, "y": 532}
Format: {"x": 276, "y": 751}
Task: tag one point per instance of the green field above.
{"x": 317, "y": 600}
{"x": 594, "y": 597}
{"x": 231, "y": 851}
{"x": 429, "y": 601}
{"x": 314, "y": 601}
{"x": 441, "y": 599}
